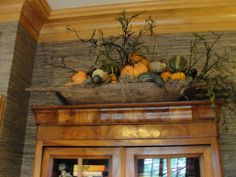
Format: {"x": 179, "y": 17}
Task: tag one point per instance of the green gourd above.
{"x": 97, "y": 79}
{"x": 178, "y": 64}
{"x": 152, "y": 77}
{"x": 192, "y": 72}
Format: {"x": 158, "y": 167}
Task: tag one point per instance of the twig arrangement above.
{"x": 125, "y": 44}
{"x": 216, "y": 73}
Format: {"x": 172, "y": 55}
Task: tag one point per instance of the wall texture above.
{"x": 17, "y": 51}
{"x": 76, "y": 55}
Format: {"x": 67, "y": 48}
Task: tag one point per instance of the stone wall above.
{"x": 76, "y": 55}
{"x": 17, "y": 50}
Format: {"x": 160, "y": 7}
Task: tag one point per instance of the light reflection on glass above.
{"x": 179, "y": 167}
{"x": 185, "y": 167}
{"x": 152, "y": 167}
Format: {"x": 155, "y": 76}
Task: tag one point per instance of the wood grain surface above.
{"x": 157, "y": 131}
{"x": 170, "y": 129}
{"x": 131, "y": 113}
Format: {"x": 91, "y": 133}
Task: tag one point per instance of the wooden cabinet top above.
{"x": 125, "y": 113}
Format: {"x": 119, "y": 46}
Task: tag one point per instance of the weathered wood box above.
{"x": 139, "y": 92}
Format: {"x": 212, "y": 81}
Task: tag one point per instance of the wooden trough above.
{"x": 138, "y": 92}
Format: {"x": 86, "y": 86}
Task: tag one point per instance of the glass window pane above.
{"x": 185, "y": 167}
{"x": 95, "y": 167}
{"x": 64, "y": 167}
{"x": 152, "y": 167}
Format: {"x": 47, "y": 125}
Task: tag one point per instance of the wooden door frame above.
{"x": 77, "y": 152}
{"x": 123, "y": 145}
{"x": 203, "y": 152}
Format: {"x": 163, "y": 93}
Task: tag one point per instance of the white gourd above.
{"x": 104, "y": 75}
{"x": 157, "y": 67}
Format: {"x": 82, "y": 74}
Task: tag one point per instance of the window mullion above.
{"x": 168, "y": 168}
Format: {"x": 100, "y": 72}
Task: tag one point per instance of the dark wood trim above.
{"x": 2, "y": 104}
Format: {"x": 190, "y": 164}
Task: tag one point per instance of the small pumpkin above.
{"x": 166, "y": 75}
{"x": 157, "y": 67}
{"x": 178, "y": 76}
{"x": 113, "y": 78}
{"x": 104, "y": 75}
{"x": 79, "y": 78}
{"x": 134, "y": 71}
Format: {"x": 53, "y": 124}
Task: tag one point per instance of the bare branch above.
{"x": 62, "y": 61}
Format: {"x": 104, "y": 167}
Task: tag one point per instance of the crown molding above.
{"x": 47, "y": 25}
{"x": 34, "y": 14}
{"x": 145, "y": 5}
{"x": 10, "y": 12}
{"x": 172, "y": 18}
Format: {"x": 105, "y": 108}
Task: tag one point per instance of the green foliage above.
{"x": 216, "y": 70}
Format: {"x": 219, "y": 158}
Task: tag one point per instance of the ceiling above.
{"x": 63, "y": 4}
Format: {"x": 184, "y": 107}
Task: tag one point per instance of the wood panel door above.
{"x": 161, "y": 161}
{"x": 77, "y": 158}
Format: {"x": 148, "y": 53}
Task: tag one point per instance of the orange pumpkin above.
{"x": 178, "y": 76}
{"x": 135, "y": 57}
{"x": 146, "y": 62}
{"x": 79, "y": 78}
{"x": 134, "y": 71}
{"x": 166, "y": 75}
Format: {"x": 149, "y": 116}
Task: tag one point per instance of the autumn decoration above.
{"x": 122, "y": 72}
